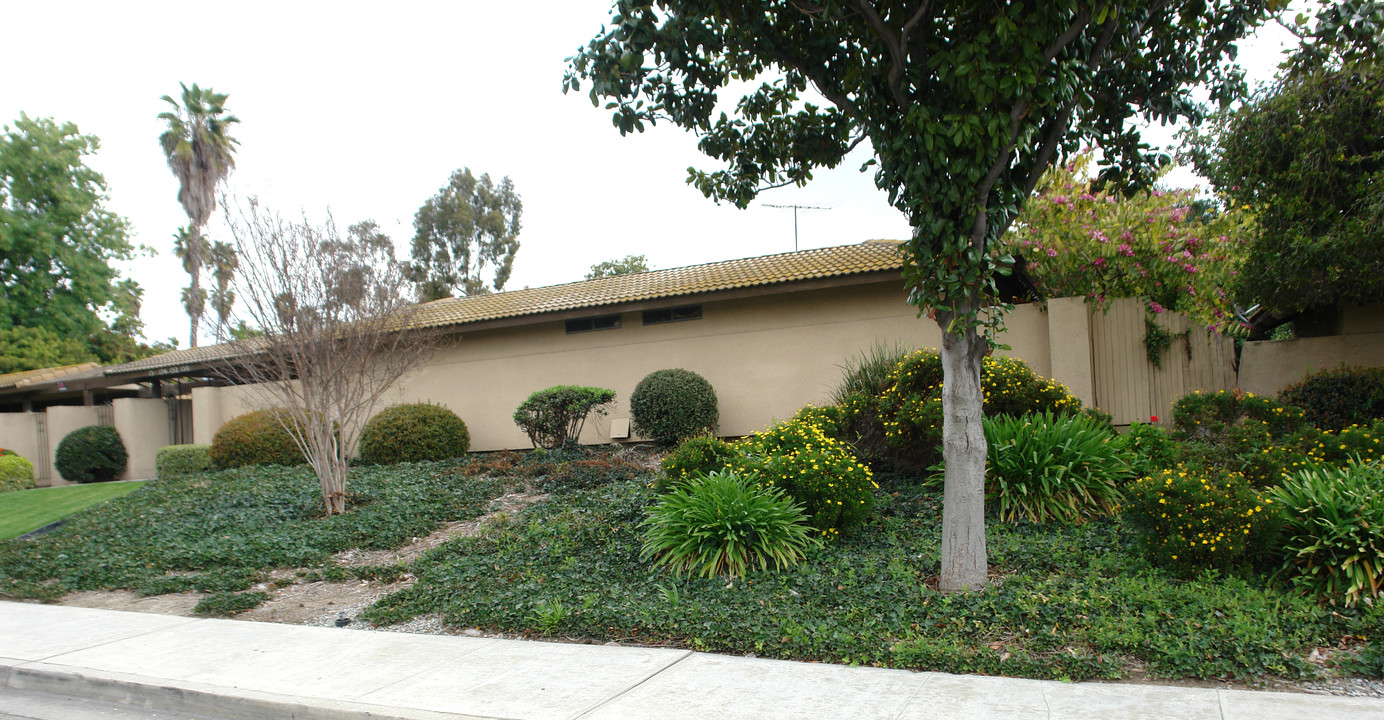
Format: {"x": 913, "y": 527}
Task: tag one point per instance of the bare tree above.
{"x": 339, "y": 331}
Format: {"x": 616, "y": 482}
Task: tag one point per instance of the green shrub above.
{"x": 413, "y": 432}
{"x": 1209, "y": 416}
{"x": 182, "y": 460}
{"x": 1333, "y": 531}
{"x": 669, "y": 406}
{"x": 869, "y": 373}
{"x": 816, "y": 470}
{"x": 1044, "y": 467}
{"x": 1336, "y": 399}
{"x": 697, "y": 456}
{"x": 256, "y": 438}
{"x": 7, "y": 453}
{"x": 1191, "y": 520}
{"x": 94, "y": 453}
{"x": 556, "y": 415}
{"x": 16, "y": 473}
{"x": 725, "y": 523}
{"x": 1149, "y": 448}
{"x": 910, "y": 409}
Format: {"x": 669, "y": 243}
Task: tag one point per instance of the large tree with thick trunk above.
{"x": 965, "y": 105}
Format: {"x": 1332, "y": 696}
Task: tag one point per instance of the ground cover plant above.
{"x": 21, "y": 512}
{"x": 218, "y": 531}
{"x": 1067, "y": 602}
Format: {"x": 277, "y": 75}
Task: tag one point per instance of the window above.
{"x": 678, "y": 314}
{"x": 603, "y": 322}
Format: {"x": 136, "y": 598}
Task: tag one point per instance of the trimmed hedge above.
{"x": 255, "y": 438}
{"x": 669, "y": 406}
{"x": 413, "y": 432}
{"x": 94, "y": 453}
{"x": 554, "y": 416}
{"x": 182, "y": 460}
{"x": 1336, "y": 399}
{"x": 16, "y": 473}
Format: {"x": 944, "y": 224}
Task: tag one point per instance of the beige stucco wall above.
{"x": 143, "y": 426}
{"x": 1268, "y": 366}
{"x": 19, "y": 433}
{"x": 766, "y": 356}
{"x": 1362, "y": 320}
{"x": 63, "y": 419}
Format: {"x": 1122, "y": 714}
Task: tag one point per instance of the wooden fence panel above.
{"x": 1129, "y": 386}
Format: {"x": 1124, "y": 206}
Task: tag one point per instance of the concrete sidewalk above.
{"x": 241, "y": 670}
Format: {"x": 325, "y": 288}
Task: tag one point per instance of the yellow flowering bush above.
{"x": 910, "y": 409}
{"x": 815, "y": 469}
{"x": 1191, "y": 519}
{"x": 1210, "y": 415}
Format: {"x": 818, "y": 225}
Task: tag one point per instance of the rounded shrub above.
{"x": 1337, "y": 399}
{"x": 554, "y": 416}
{"x": 255, "y": 438}
{"x": 1191, "y": 519}
{"x": 697, "y": 456}
{"x": 182, "y": 460}
{"x": 16, "y": 473}
{"x": 819, "y": 471}
{"x": 413, "y": 432}
{"x": 725, "y": 523}
{"x": 910, "y": 408}
{"x": 91, "y": 454}
{"x": 669, "y": 406}
{"x": 1211, "y": 415}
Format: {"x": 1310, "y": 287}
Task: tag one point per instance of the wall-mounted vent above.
{"x": 677, "y": 314}
{"x": 602, "y": 322}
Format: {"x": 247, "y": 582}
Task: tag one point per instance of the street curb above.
{"x": 195, "y": 698}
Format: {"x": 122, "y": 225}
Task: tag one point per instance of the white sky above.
{"x": 366, "y": 108}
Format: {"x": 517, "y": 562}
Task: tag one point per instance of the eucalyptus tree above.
{"x": 201, "y": 153}
{"x": 964, "y": 105}
{"x": 467, "y": 231}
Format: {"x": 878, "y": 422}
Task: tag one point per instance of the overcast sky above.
{"x": 366, "y": 108}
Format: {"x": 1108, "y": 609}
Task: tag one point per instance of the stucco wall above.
{"x": 19, "y": 433}
{"x": 63, "y": 419}
{"x": 143, "y": 426}
{"x": 766, "y": 356}
{"x": 1268, "y": 366}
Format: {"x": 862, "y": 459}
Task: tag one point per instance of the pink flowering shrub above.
{"x": 1156, "y": 245}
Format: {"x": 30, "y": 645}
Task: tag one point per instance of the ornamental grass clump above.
{"x": 1048, "y": 467}
{"x": 1191, "y": 520}
{"x": 723, "y": 523}
{"x": 1333, "y": 531}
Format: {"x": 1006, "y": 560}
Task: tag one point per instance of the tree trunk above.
{"x": 194, "y": 313}
{"x": 963, "y": 451}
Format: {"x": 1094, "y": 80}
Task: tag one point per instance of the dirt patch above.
{"x": 172, "y": 604}
{"x": 295, "y": 602}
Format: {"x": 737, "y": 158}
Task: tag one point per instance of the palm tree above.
{"x": 191, "y": 248}
{"x": 200, "y": 152}
{"x": 223, "y": 263}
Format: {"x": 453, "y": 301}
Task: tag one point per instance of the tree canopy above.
{"x": 1306, "y": 154}
{"x": 624, "y": 266}
{"x": 469, "y": 229}
{"x": 63, "y": 299}
{"x": 964, "y": 105}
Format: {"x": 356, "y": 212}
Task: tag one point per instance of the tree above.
{"x": 337, "y": 332}
{"x": 223, "y": 261}
{"x": 965, "y": 105}
{"x": 1155, "y": 245}
{"x": 610, "y": 268}
{"x": 1306, "y": 153}
{"x": 57, "y": 246}
{"x": 201, "y": 154}
{"x": 32, "y": 348}
{"x": 468, "y": 226}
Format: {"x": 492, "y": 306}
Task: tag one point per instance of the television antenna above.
{"x": 796, "y": 208}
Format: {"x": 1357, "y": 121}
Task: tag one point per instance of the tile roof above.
{"x": 842, "y": 260}
{"x": 30, "y": 377}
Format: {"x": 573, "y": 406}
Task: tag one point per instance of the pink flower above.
{"x": 1125, "y": 250}
{"x": 1158, "y": 309}
{"x": 1052, "y": 253}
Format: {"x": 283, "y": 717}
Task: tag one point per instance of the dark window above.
{"x": 665, "y": 315}
{"x": 604, "y": 322}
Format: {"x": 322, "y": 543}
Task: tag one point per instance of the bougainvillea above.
{"x": 1161, "y": 246}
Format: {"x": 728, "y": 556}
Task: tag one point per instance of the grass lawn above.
{"x": 27, "y": 510}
